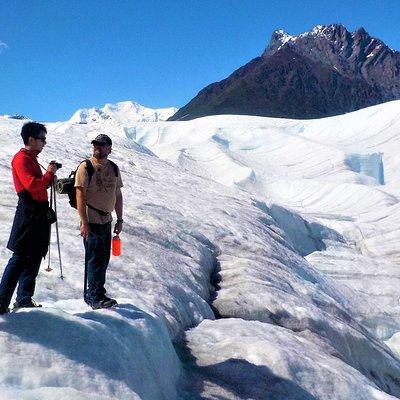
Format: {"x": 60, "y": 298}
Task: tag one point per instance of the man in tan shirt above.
{"x": 97, "y": 195}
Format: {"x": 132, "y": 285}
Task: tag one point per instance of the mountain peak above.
{"x": 361, "y": 32}
{"x": 328, "y": 43}
{"x": 322, "y": 72}
{"x": 124, "y": 112}
{"x": 279, "y": 38}
{"x": 327, "y": 29}
{"x": 280, "y": 34}
{"x": 329, "y": 32}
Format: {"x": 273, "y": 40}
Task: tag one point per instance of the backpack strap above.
{"x": 89, "y": 169}
{"x": 115, "y": 166}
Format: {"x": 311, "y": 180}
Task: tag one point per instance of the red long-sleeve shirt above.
{"x": 27, "y": 175}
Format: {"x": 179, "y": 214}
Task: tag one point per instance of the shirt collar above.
{"x": 31, "y": 153}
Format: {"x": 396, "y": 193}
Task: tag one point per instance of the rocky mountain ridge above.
{"x": 326, "y": 71}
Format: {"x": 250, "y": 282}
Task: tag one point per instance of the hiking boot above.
{"x": 113, "y": 302}
{"x": 86, "y": 299}
{"x": 4, "y": 309}
{"x": 27, "y": 304}
{"x": 103, "y": 303}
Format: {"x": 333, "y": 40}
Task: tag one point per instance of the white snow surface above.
{"x": 257, "y": 263}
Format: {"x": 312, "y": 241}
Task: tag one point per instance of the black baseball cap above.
{"x": 102, "y": 139}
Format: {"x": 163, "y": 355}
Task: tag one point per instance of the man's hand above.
{"x": 84, "y": 230}
{"x": 52, "y": 167}
{"x": 118, "y": 227}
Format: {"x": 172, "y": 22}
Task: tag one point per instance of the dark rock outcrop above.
{"x": 324, "y": 72}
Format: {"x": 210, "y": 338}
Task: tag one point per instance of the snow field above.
{"x": 89, "y": 352}
{"x": 188, "y": 240}
{"x": 304, "y": 166}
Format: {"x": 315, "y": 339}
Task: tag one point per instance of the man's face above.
{"x": 37, "y": 143}
{"x": 101, "y": 151}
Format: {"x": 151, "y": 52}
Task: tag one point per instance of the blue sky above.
{"x": 58, "y": 56}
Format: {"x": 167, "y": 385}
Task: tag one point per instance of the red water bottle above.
{"x": 116, "y": 246}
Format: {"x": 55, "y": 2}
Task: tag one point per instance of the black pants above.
{"x": 31, "y": 227}
{"x": 97, "y": 257}
{"x": 22, "y": 270}
{"x": 29, "y": 240}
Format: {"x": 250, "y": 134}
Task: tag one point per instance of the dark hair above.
{"x": 32, "y": 129}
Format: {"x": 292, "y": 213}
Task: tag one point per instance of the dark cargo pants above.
{"x": 97, "y": 257}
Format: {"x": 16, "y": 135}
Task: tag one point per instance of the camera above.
{"x": 57, "y": 164}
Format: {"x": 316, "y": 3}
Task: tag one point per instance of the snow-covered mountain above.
{"x": 260, "y": 260}
{"x": 125, "y": 112}
{"x": 15, "y": 116}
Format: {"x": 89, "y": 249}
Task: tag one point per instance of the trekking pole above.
{"x": 49, "y": 269}
{"x": 57, "y": 232}
{"x": 85, "y": 283}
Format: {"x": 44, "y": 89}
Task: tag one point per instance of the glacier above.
{"x": 257, "y": 263}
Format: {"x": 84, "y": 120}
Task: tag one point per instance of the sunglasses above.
{"x": 43, "y": 139}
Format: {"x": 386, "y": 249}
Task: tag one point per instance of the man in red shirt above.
{"x": 29, "y": 236}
